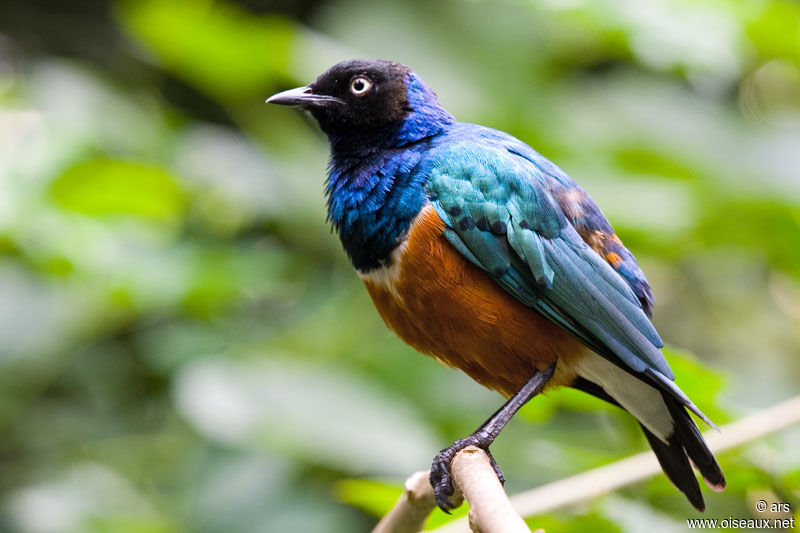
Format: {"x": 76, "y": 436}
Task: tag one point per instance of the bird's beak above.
{"x": 302, "y": 96}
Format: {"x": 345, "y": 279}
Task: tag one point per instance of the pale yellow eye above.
{"x": 360, "y": 85}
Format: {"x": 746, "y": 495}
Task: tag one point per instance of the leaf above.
{"x": 775, "y": 30}
{"x": 369, "y": 495}
{"x": 769, "y": 227}
{"x": 104, "y": 186}
{"x": 567, "y": 523}
{"x": 378, "y": 497}
{"x": 216, "y": 46}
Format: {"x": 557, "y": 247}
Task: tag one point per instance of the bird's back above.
{"x": 574, "y": 203}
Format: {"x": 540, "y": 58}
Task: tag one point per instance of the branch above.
{"x": 489, "y": 508}
{"x": 604, "y": 479}
{"x": 412, "y": 509}
{"x": 475, "y": 479}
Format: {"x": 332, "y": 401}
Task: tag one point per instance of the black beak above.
{"x": 302, "y": 96}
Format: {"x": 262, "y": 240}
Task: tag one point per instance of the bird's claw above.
{"x": 441, "y": 477}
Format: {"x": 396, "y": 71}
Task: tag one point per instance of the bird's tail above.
{"x": 684, "y": 445}
{"x": 662, "y": 414}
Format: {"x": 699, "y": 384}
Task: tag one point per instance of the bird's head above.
{"x": 370, "y": 101}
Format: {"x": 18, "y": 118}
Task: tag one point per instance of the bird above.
{"x": 480, "y": 252}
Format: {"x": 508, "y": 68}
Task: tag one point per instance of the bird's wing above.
{"x": 501, "y": 215}
{"x": 588, "y": 220}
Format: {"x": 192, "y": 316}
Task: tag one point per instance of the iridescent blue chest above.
{"x": 372, "y": 201}
{"x": 375, "y": 184}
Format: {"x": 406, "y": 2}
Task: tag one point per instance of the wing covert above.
{"x": 501, "y": 216}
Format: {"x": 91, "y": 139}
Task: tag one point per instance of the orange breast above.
{"x": 444, "y": 306}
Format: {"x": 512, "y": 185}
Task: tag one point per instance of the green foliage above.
{"x": 774, "y": 30}
{"x": 183, "y": 346}
{"x": 577, "y": 523}
{"x": 217, "y": 47}
{"x": 372, "y": 496}
{"x": 769, "y": 227}
{"x": 702, "y": 384}
{"x": 105, "y": 186}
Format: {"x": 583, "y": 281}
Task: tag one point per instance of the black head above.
{"x": 359, "y": 97}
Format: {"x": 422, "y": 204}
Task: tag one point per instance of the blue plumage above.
{"x": 476, "y": 173}
{"x": 374, "y": 193}
{"x": 372, "y": 201}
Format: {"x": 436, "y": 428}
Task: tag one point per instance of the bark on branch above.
{"x": 489, "y": 508}
{"x": 412, "y": 509}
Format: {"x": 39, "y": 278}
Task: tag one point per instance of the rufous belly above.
{"x": 444, "y": 306}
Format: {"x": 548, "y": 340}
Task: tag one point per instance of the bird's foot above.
{"x": 441, "y": 476}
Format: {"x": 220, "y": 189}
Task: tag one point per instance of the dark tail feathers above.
{"x": 685, "y": 444}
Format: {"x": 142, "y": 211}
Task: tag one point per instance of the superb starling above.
{"x": 480, "y": 252}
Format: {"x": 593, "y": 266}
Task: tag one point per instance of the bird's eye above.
{"x": 360, "y": 85}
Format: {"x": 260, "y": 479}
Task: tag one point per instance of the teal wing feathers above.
{"x": 501, "y": 215}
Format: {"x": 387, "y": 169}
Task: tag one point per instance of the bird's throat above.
{"x": 372, "y": 201}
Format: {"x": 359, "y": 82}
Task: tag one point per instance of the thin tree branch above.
{"x": 412, "y": 509}
{"x": 474, "y": 479}
{"x": 489, "y": 508}
{"x": 593, "y": 483}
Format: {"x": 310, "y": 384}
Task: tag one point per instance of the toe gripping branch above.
{"x": 441, "y": 477}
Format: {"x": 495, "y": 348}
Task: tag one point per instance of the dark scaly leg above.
{"x": 483, "y": 437}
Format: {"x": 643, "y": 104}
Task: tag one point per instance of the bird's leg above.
{"x": 482, "y": 437}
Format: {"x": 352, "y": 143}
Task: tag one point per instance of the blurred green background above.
{"x": 183, "y": 345}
